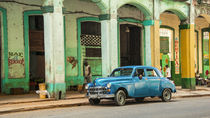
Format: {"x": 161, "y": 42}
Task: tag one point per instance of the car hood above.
{"x": 105, "y": 81}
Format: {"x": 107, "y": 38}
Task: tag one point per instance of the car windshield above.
{"x": 122, "y": 72}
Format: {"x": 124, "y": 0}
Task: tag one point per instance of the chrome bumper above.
{"x": 99, "y": 96}
{"x": 98, "y": 92}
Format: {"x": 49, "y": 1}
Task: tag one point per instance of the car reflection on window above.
{"x": 122, "y": 72}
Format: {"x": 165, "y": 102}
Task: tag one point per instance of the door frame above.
{"x": 130, "y": 21}
{"x": 4, "y": 39}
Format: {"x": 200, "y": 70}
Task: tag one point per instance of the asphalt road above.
{"x": 198, "y": 107}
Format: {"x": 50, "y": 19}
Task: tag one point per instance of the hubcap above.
{"x": 121, "y": 98}
{"x": 167, "y": 94}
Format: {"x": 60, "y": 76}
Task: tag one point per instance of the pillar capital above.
{"x": 53, "y": 3}
{"x": 47, "y": 9}
{"x": 186, "y": 26}
{"x": 104, "y": 17}
{"x": 150, "y": 22}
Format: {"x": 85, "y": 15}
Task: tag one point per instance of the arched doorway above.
{"x": 0, "y": 51}
{"x": 130, "y": 36}
{"x": 130, "y": 45}
{"x": 203, "y": 33}
{"x": 170, "y": 45}
{"x": 167, "y": 42}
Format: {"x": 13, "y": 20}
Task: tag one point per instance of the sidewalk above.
{"x": 28, "y": 102}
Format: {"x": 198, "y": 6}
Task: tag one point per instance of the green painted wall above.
{"x": 15, "y": 60}
{"x": 16, "y": 47}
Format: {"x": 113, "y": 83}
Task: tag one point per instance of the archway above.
{"x": 131, "y": 48}
{"x": 0, "y": 50}
{"x": 203, "y": 31}
{"x": 170, "y": 44}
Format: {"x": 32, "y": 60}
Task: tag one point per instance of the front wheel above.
{"x": 94, "y": 101}
{"x": 120, "y": 98}
{"x": 166, "y": 95}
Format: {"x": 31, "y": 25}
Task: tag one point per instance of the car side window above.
{"x": 151, "y": 73}
{"x": 139, "y": 72}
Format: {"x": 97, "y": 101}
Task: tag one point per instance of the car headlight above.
{"x": 86, "y": 86}
{"x": 108, "y": 85}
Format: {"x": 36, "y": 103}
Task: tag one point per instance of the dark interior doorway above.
{"x": 0, "y": 52}
{"x": 130, "y": 45}
{"x": 36, "y": 47}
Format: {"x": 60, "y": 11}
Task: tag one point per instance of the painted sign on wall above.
{"x": 16, "y": 65}
{"x": 176, "y": 50}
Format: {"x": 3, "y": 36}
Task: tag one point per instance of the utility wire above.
{"x": 80, "y": 12}
{"x": 35, "y": 5}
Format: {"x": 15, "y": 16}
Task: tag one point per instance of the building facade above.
{"x": 49, "y": 40}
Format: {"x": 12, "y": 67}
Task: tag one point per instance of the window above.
{"x": 151, "y": 73}
{"x": 122, "y": 72}
{"x": 139, "y": 72}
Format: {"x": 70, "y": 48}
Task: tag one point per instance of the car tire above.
{"x": 120, "y": 98}
{"x": 166, "y": 95}
{"x": 94, "y": 101}
{"x": 141, "y": 99}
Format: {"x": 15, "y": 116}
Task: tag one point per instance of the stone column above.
{"x": 148, "y": 57}
{"x": 105, "y": 47}
{"x": 54, "y": 48}
{"x": 209, "y": 52}
{"x": 156, "y": 41}
{"x": 113, "y": 41}
{"x": 152, "y": 43}
{"x": 187, "y": 55}
{"x": 187, "y": 40}
{"x": 109, "y": 43}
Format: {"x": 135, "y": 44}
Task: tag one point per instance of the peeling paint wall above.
{"x": 16, "y": 49}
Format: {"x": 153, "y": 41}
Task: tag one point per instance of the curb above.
{"x": 43, "y": 107}
{"x": 68, "y": 105}
{"x": 192, "y": 96}
{"x": 40, "y": 100}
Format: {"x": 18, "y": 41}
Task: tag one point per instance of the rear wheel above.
{"x": 141, "y": 99}
{"x": 166, "y": 95}
{"x": 94, "y": 101}
{"x": 120, "y": 98}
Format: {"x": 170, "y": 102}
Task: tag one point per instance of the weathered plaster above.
{"x": 182, "y": 11}
{"x": 142, "y": 5}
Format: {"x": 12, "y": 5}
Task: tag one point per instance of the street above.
{"x": 197, "y": 107}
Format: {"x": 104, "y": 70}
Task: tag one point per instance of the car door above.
{"x": 141, "y": 87}
{"x": 153, "y": 81}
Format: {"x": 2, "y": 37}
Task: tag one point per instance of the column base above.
{"x": 188, "y": 83}
{"x": 57, "y": 90}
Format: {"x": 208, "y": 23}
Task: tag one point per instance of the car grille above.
{"x": 97, "y": 90}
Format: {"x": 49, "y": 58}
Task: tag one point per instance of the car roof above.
{"x": 138, "y": 66}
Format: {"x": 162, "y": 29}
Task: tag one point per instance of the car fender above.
{"x": 165, "y": 83}
{"x": 128, "y": 86}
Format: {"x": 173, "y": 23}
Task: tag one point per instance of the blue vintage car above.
{"x": 130, "y": 82}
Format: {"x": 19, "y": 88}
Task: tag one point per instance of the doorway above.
{"x": 130, "y": 45}
{"x": 36, "y": 48}
{"x": 0, "y": 52}
{"x": 91, "y": 47}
